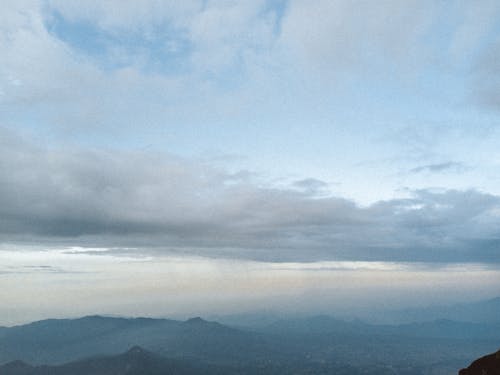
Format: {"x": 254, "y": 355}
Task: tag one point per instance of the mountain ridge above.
{"x": 135, "y": 361}
{"x": 321, "y": 343}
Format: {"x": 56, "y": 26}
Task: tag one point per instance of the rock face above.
{"x": 487, "y": 365}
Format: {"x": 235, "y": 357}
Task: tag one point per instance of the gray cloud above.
{"x": 33, "y": 269}
{"x": 311, "y": 186}
{"x": 449, "y": 166}
{"x": 478, "y": 36}
{"x": 486, "y": 89}
{"x": 159, "y": 202}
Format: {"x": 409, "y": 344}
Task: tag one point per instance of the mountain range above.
{"x": 312, "y": 345}
{"x": 136, "y": 361}
{"x": 484, "y": 311}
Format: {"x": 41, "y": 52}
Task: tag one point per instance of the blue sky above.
{"x": 268, "y": 131}
{"x": 334, "y": 91}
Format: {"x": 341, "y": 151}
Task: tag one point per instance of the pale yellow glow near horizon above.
{"x": 37, "y": 284}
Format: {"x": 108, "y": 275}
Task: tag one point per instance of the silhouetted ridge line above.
{"x": 487, "y": 365}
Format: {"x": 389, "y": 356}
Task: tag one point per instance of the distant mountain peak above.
{"x": 137, "y": 350}
{"x": 93, "y": 317}
{"x": 16, "y": 366}
{"x": 196, "y": 320}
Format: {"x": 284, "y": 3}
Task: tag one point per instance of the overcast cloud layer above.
{"x": 160, "y": 201}
{"x": 270, "y": 130}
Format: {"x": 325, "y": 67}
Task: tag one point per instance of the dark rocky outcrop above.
{"x": 487, "y": 365}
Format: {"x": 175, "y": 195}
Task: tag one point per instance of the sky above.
{"x": 240, "y": 155}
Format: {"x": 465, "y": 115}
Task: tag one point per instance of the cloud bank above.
{"x": 159, "y": 202}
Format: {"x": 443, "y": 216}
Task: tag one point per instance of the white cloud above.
{"x": 44, "y": 76}
{"x": 117, "y": 16}
{"x": 339, "y": 35}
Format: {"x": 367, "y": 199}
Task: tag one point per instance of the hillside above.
{"x": 135, "y": 361}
